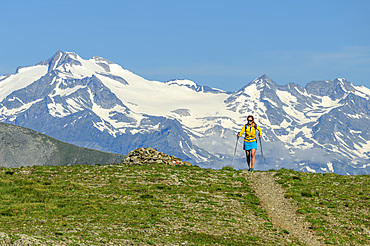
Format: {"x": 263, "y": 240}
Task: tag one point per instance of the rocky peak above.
{"x": 60, "y": 59}
{"x": 335, "y": 89}
{"x": 263, "y": 81}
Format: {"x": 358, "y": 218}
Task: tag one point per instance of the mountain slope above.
{"x": 98, "y": 104}
{"x": 24, "y": 147}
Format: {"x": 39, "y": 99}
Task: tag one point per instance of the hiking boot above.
{"x": 252, "y": 170}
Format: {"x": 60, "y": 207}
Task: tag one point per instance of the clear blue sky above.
{"x": 222, "y": 44}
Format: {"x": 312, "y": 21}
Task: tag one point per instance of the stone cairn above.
{"x": 147, "y": 156}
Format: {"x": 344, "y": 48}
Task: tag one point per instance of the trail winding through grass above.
{"x": 280, "y": 210}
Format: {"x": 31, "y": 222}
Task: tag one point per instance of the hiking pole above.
{"x": 236, "y": 145}
{"x": 263, "y": 161}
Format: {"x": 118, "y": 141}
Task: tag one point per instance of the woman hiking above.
{"x": 250, "y": 141}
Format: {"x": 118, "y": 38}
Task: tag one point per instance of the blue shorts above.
{"x": 250, "y": 145}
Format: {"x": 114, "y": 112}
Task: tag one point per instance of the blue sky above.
{"x": 222, "y": 44}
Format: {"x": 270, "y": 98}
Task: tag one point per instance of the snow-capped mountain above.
{"x": 98, "y": 104}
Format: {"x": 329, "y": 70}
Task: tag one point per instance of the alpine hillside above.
{"x": 95, "y": 103}
{"x": 21, "y": 147}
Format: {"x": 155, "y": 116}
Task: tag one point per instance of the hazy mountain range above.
{"x": 95, "y": 103}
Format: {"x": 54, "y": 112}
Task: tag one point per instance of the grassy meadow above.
{"x": 337, "y": 206}
{"x": 172, "y": 205}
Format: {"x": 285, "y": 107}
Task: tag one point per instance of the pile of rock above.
{"x": 147, "y": 156}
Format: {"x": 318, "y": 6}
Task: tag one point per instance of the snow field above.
{"x": 22, "y": 79}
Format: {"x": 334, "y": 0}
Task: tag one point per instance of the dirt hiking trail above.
{"x": 280, "y": 210}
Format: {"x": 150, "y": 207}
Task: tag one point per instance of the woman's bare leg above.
{"x": 248, "y": 155}
{"x": 253, "y": 156}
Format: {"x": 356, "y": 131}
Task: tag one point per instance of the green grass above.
{"x": 164, "y": 205}
{"x": 337, "y": 206}
{"x": 139, "y": 205}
